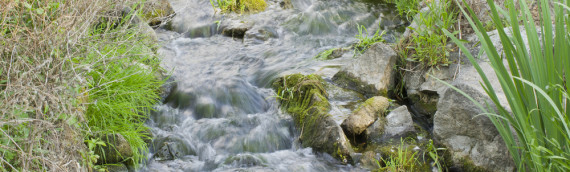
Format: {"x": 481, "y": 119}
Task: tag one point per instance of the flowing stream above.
{"x": 222, "y": 115}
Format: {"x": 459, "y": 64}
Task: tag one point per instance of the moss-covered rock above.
{"x": 116, "y": 150}
{"x": 286, "y": 4}
{"x": 117, "y": 168}
{"x": 305, "y": 98}
{"x": 365, "y": 115}
{"x": 157, "y": 12}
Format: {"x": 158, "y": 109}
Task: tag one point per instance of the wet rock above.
{"x": 286, "y": 4}
{"x": 157, "y": 12}
{"x": 245, "y": 160}
{"x": 398, "y": 123}
{"x": 260, "y": 34}
{"x": 168, "y": 151}
{"x": 365, "y": 115}
{"x": 235, "y": 28}
{"x": 171, "y": 147}
{"x": 305, "y": 98}
{"x": 116, "y": 150}
{"x": 370, "y": 160}
{"x": 370, "y": 74}
{"x": 117, "y": 168}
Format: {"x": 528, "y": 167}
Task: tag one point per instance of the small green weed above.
{"x": 325, "y": 54}
{"x": 365, "y": 41}
{"x": 90, "y": 158}
{"x": 402, "y": 159}
{"x": 431, "y": 150}
{"x": 239, "y": 6}
{"x": 406, "y": 8}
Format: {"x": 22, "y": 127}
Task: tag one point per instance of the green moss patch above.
{"x": 239, "y": 6}
{"x": 305, "y": 98}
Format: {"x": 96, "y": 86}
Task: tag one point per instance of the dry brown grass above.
{"x": 39, "y": 81}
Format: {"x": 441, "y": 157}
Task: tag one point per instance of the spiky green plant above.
{"x": 534, "y": 83}
{"x": 365, "y": 41}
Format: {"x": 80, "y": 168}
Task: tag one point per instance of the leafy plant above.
{"x": 534, "y": 83}
{"x": 365, "y": 41}
{"x": 90, "y": 157}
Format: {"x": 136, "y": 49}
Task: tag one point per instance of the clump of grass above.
{"x": 400, "y": 159}
{"x": 534, "y": 83}
{"x": 428, "y": 44}
{"x": 239, "y": 6}
{"x": 365, "y": 41}
{"x": 406, "y": 8}
{"x": 123, "y": 87}
{"x": 54, "y": 76}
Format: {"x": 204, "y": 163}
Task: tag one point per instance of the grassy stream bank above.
{"x": 75, "y": 76}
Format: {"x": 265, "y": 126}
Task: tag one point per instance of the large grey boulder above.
{"x": 468, "y": 135}
{"x": 370, "y": 74}
{"x": 460, "y": 125}
{"x": 365, "y": 115}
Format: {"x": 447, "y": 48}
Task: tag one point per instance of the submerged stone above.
{"x": 305, "y": 98}
{"x": 235, "y": 28}
{"x": 370, "y": 160}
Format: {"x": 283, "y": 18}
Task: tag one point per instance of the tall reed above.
{"x": 534, "y": 82}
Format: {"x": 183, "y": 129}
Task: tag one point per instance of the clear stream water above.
{"x": 220, "y": 115}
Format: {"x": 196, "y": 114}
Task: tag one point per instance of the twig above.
{"x": 6, "y": 162}
{"x": 6, "y": 134}
{"x": 8, "y": 75}
{"x": 458, "y": 69}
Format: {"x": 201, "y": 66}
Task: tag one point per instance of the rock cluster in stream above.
{"x": 471, "y": 139}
